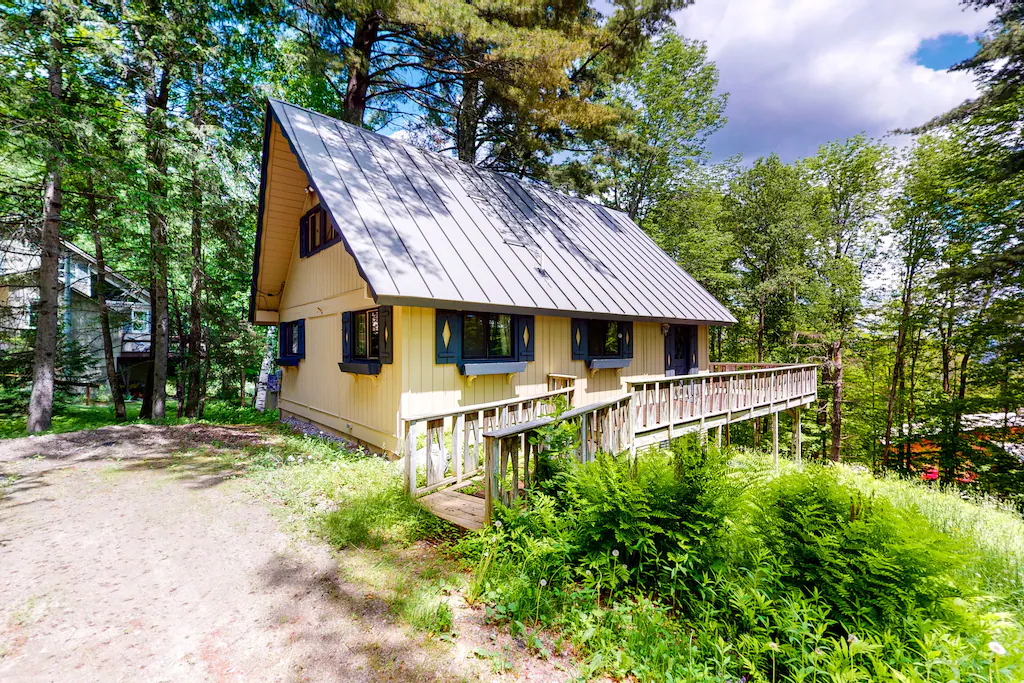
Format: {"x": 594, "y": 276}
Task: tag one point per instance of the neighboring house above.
{"x": 421, "y": 300}
{"x": 79, "y": 308}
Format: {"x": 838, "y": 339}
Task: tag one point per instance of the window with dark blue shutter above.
{"x": 366, "y": 340}
{"x": 291, "y": 342}
{"x": 602, "y": 343}
{"x": 316, "y": 231}
{"x": 484, "y": 343}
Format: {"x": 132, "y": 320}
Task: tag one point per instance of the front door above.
{"x": 681, "y": 350}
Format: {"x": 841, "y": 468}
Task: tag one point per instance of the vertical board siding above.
{"x": 431, "y": 388}
{"x": 319, "y": 289}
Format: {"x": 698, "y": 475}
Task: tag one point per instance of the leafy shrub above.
{"x": 872, "y": 562}
{"x": 686, "y": 565}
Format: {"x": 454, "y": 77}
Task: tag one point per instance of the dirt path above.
{"x": 119, "y": 562}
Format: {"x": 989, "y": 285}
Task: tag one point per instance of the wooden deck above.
{"x": 458, "y": 508}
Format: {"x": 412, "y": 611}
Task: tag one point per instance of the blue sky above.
{"x": 803, "y": 72}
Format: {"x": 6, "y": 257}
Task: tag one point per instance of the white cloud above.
{"x": 802, "y": 72}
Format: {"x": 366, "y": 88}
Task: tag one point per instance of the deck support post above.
{"x": 491, "y": 445}
{"x": 409, "y": 451}
{"x": 718, "y": 436}
{"x": 797, "y": 436}
{"x": 775, "y": 440}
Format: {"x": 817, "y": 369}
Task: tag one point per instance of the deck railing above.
{"x": 512, "y": 453}
{"x": 690, "y": 400}
{"x": 452, "y": 442}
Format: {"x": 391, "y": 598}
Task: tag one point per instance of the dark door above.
{"x": 681, "y": 350}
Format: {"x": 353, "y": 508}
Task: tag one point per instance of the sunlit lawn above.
{"x": 76, "y": 416}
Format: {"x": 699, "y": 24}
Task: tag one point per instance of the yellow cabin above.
{"x": 424, "y": 303}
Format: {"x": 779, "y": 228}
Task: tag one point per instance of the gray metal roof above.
{"x": 428, "y": 230}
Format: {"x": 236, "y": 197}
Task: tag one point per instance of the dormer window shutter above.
{"x": 304, "y": 235}
{"x": 346, "y": 337}
{"x": 387, "y": 335}
{"x": 578, "y": 331}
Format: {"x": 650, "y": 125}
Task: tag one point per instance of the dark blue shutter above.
{"x": 525, "y": 337}
{"x": 578, "y": 332}
{"x": 448, "y": 342}
{"x": 300, "y": 329}
{"x": 346, "y": 337}
{"x": 627, "y": 339}
{"x": 386, "y": 335}
{"x": 304, "y": 236}
{"x": 282, "y": 343}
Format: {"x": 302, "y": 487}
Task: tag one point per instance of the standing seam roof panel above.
{"x": 487, "y": 245}
{"x": 455, "y": 265}
{"x": 575, "y": 300}
{"x": 424, "y": 226}
{"x": 339, "y": 202}
{"x": 585, "y": 264}
{"x": 426, "y": 189}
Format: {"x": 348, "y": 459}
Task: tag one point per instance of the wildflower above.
{"x": 497, "y": 525}
{"x": 851, "y": 639}
{"x": 615, "y": 553}
{"x": 997, "y": 648}
{"x": 773, "y": 645}
{"x": 543, "y": 583}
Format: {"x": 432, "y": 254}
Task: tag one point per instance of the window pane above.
{"x": 293, "y": 338}
{"x": 500, "y": 336}
{"x": 374, "y": 317}
{"x": 328, "y": 228}
{"x": 360, "y": 334}
{"x": 603, "y": 338}
{"x": 474, "y": 335}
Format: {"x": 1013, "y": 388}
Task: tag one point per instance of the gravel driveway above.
{"x": 118, "y": 563}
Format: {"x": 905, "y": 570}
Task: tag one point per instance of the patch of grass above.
{"x": 356, "y": 502}
{"x": 74, "y": 417}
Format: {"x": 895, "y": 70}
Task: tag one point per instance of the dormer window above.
{"x": 316, "y": 232}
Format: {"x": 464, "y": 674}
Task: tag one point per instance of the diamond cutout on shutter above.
{"x": 526, "y": 337}
{"x": 386, "y": 337}
{"x": 627, "y": 338}
{"x": 577, "y": 337}
{"x": 446, "y": 334}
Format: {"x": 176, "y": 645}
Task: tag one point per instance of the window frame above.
{"x": 487, "y": 357}
{"x": 327, "y": 234}
{"x": 291, "y": 333}
{"x": 453, "y": 352}
{"x": 367, "y": 364}
{"x": 581, "y": 336}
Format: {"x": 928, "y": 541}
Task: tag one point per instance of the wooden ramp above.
{"x": 458, "y": 508}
